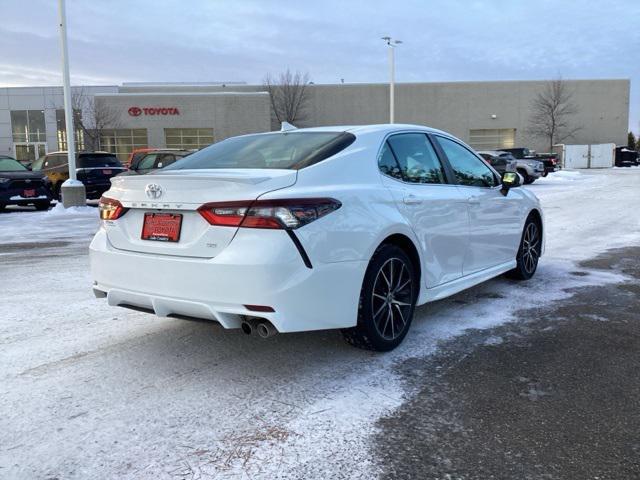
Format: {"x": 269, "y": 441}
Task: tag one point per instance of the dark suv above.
{"x": 93, "y": 169}
{"x": 19, "y": 186}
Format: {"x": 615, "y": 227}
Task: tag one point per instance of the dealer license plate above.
{"x": 162, "y": 227}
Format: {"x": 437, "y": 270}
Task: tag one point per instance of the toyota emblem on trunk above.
{"x": 153, "y": 191}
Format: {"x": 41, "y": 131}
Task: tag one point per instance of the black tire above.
{"x": 390, "y": 285}
{"x": 527, "y": 178}
{"x": 42, "y": 206}
{"x": 529, "y": 250}
{"x": 57, "y": 191}
{"x": 2, "y": 207}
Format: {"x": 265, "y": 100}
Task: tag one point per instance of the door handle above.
{"x": 411, "y": 200}
{"x": 473, "y": 201}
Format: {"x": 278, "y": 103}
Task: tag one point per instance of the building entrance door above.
{"x": 29, "y": 152}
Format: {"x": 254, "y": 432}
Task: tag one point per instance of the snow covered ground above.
{"x": 88, "y": 391}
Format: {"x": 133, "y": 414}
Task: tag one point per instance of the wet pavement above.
{"x": 555, "y": 395}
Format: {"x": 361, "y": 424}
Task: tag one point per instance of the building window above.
{"x": 188, "y": 138}
{"x": 28, "y": 126}
{"x": 61, "y": 130}
{"x": 123, "y": 141}
{"x": 492, "y": 139}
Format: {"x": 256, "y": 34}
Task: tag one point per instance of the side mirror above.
{"x": 510, "y": 180}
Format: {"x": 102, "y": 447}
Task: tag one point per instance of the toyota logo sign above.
{"x": 153, "y": 191}
{"x": 135, "y": 111}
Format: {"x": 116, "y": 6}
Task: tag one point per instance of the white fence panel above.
{"x": 576, "y": 156}
{"x": 589, "y": 156}
{"x": 602, "y": 155}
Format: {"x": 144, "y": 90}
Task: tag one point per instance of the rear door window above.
{"x": 417, "y": 158}
{"x": 387, "y": 163}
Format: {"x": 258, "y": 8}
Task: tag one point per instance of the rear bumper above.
{"x": 14, "y": 196}
{"x": 259, "y": 267}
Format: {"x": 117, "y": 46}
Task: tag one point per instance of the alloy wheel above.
{"x": 392, "y": 298}
{"x": 530, "y": 247}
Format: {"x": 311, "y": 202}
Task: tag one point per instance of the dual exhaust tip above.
{"x": 262, "y": 328}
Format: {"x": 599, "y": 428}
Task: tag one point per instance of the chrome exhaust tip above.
{"x": 247, "y": 327}
{"x": 266, "y": 330}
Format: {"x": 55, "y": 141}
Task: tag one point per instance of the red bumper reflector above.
{"x": 259, "y": 308}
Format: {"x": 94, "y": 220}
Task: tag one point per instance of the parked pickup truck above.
{"x": 502, "y": 161}
{"x": 550, "y": 160}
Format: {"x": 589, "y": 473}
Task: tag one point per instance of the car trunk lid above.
{"x": 182, "y": 192}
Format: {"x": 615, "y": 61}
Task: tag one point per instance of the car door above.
{"x": 434, "y": 208}
{"x": 494, "y": 218}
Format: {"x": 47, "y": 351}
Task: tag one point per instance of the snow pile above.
{"x": 562, "y": 176}
{"x": 71, "y": 224}
{"x": 59, "y": 209}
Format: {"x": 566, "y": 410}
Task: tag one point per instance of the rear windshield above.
{"x": 89, "y": 161}
{"x": 289, "y": 151}
{"x": 11, "y": 165}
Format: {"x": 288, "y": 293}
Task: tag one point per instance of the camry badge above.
{"x": 153, "y": 191}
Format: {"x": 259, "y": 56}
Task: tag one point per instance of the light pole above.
{"x": 73, "y": 191}
{"x": 391, "y": 43}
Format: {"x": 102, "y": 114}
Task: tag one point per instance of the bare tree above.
{"x": 95, "y": 117}
{"x": 551, "y": 112}
{"x": 289, "y": 95}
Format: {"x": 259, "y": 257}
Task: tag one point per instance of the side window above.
{"x": 37, "y": 165}
{"x": 55, "y": 161}
{"x": 147, "y": 162}
{"x": 417, "y": 158}
{"x": 164, "y": 160}
{"x": 387, "y": 163}
{"x": 468, "y": 169}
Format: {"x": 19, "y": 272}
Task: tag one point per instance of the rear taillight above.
{"x": 110, "y": 209}
{"x": 287, "y": 214}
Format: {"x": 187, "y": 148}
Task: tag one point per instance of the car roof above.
{"x": 82, "y": 153}
{"x": 382, "y": 128}
{"x": 166, "y": 150}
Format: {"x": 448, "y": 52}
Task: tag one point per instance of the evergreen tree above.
{"x": 631, "y": 141}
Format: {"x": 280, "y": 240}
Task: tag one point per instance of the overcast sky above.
{"x": 116, "y": 41}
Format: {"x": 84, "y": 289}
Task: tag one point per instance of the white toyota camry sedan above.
{"x": 319, "y": 228}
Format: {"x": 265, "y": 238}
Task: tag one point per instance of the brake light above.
{"x": 287, "y": 214}
{"x": 110, "y": 209}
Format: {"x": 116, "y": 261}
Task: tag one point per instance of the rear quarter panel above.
{"x": 368, "y": 213}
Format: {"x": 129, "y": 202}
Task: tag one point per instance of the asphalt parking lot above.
{"x": 552, "y": 396}
{"x": 506, "y": 380}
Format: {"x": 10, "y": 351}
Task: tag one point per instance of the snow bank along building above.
{"x": 487, "y": 115}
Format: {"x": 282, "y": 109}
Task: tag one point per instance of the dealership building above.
{"x": 487, "y": 115}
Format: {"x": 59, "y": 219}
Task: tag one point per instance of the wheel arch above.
{"x": 408, "y": 246}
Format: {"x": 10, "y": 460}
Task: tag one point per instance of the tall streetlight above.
{"x": 73, "y": 191}
{"x": 392, "y": 44}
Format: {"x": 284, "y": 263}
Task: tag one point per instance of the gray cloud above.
{"x": 200, "y": 40}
